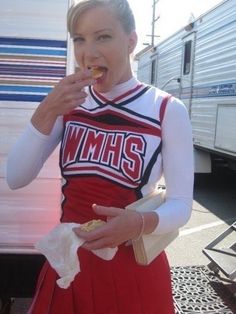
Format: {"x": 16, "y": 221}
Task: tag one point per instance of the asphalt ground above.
{"x": 214, "y": 210}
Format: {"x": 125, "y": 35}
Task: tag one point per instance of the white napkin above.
{"x": 60, "y": 247}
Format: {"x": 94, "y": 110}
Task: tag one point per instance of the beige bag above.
{"x": 149, "y": 246}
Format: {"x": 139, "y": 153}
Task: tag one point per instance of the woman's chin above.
{"x": 102, "y": 87}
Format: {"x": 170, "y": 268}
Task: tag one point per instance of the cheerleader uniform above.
{"x": 113, "y": 152}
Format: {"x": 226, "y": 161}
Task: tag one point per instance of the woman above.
{"x": 118, "y": 137}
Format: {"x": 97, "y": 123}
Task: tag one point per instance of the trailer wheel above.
{"x": 5, "y": 305}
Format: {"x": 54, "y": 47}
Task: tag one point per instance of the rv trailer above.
{"x": 198, "y": 65}
{"x": 34, "y": 55}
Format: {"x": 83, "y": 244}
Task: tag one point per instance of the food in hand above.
{"x": 92, "y": 224}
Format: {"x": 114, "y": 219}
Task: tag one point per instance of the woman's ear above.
{"x": 133, "y": 39}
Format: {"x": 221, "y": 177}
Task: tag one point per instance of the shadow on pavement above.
{"x": 216, "y": 192}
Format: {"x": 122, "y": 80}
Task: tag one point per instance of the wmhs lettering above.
{"x": 117, "y": 151}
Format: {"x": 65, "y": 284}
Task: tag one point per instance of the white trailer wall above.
{"x": 214, "y": 76}
{"x": 33, "y": 57}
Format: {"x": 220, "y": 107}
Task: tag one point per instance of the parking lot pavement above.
{"x": 214, "y": 210}
{"x": 20, "y": 306}
{"x": 196, "y": 288}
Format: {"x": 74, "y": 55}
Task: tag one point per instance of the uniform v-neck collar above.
{"x": 120, "y": 94}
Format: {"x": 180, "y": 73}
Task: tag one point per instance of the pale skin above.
{"x": 100, "y": 40}
{"x": 67, "y": 95}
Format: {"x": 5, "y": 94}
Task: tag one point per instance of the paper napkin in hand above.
{"x": 60, "y": 248}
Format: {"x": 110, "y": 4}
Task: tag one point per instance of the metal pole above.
{"x": 154, "y": 19}
{"x": 153, "y": 23}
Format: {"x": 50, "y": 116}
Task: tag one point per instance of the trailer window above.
{"x": 187, "y": 57}
{"x": 153, "y": 72}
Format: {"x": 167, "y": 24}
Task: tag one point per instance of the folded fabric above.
{"x": 60, "y": 247}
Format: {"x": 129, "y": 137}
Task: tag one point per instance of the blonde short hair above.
{"x": 121, "y": 9}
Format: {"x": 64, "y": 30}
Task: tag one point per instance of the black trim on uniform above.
{"x": 127, "y": 101}
{"x": 111, "y": 103}
{"x": 148, "y": 170}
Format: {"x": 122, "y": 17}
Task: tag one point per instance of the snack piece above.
{"x": 96, "y": 72}
{"x": 92, "y": 224}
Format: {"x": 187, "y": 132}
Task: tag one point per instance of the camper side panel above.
{"x": 169, "y": 64}
{"x": 33, "y": 58}
{"x": 214, "y": 90}
{"x": 145, "y": 67}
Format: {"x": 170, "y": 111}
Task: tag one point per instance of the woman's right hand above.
{"x": 67, "y": 94}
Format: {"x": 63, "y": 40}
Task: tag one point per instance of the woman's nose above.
{"x": 90, "y": 51}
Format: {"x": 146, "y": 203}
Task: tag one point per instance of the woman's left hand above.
{"x": 122, "y": 225}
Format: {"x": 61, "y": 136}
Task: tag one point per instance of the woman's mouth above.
{"x": 97, "y": 72}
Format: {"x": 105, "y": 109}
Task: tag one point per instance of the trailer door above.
{"x": 187, "y": 69}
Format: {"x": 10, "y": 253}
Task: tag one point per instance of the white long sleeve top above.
{"x": 32, "y": 149}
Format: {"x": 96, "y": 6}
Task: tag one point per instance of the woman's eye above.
{"x": 78, "y": 39}
{"x": 104, "y": 37}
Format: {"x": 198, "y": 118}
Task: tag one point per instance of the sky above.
{"x": 174, "y": 14}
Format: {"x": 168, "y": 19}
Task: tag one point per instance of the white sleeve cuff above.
{"x": 173, "y": 214}
{"x": 37, "y": 132}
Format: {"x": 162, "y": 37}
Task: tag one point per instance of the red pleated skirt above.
{"x": 119, "y": 286}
